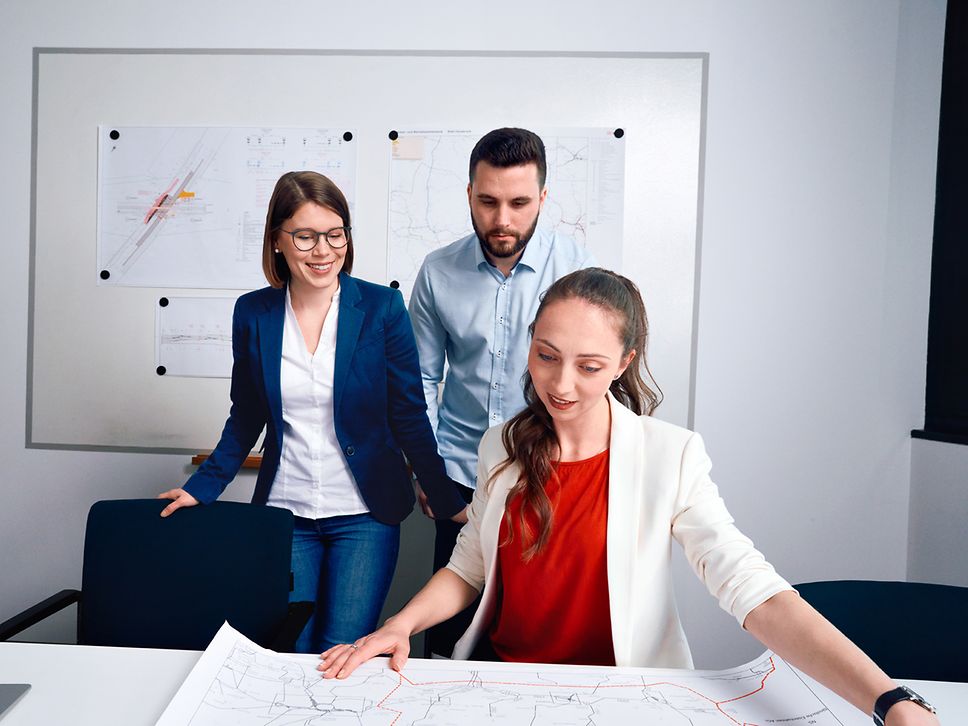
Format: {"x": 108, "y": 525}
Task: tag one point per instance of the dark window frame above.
{"x": 946, "y": 390}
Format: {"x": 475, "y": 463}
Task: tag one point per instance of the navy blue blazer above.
{"x": 379, "y": 403}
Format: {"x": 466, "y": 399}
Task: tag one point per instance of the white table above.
{"x": 88, "y": 685}
{"x": 84, "y": 684}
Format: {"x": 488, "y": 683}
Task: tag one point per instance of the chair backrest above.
{"x": 170, "y": 583}
{"x": 911, "y": 630}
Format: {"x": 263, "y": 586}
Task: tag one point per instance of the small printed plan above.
{"x": 193, "y": 336}
{"x": 237, "y": 682}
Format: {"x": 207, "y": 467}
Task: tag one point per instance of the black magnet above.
{"x": 161, "y": 370}
{"x": 347, "y": 136}
{"x": 163, "y": 302}
{"x": 619, "y": 133}
{"x": 393, "y": 135}
{"x": 105, "y": 274}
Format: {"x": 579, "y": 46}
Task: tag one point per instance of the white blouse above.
{"x": 313, "y": 479}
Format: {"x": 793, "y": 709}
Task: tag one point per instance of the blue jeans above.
{"x": 344, "y": 564}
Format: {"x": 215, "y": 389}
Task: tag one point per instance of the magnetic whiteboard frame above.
{"x": 703, "y": 58}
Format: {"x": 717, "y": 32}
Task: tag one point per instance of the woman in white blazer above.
{"x": 658, "y": 489}
{"x": 585, "y": 401}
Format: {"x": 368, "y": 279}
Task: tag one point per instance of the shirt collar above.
{"x": 534, "y": 251}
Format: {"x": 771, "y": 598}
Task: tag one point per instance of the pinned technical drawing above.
{"x": 193, "y": 337}
{"x": 185, "y": 206}
{"x": 428, "y": 199}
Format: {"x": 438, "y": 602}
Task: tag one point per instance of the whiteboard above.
{"x": 92, "y": 373}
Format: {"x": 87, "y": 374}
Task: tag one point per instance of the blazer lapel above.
{"x": 623, "y": 522}
{"x": 270, "y": 326}
{"x": 347, "y": 333}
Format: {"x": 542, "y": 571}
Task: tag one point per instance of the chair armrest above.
{"x": 34, "y": 614}
{"x": 292, "y": 626}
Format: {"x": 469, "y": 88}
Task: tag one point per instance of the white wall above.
{"x": 819, "y": 185}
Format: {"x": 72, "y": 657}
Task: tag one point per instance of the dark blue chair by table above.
{"x": 150, "y": 582}
{"x": 910, "y": 629}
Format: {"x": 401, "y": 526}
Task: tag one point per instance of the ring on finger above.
{"x": 354, "y": 646}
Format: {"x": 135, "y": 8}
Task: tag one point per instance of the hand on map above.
{"x": 341, "y": 660}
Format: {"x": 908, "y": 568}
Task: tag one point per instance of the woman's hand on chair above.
{"x": 180, "y": 498}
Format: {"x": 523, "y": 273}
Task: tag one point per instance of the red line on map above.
{"x": 384, "y": 700}
{"x": 717, "y": 704}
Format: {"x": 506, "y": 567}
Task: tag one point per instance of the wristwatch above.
{"x": 902, "y": 693}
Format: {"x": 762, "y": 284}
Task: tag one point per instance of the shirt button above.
{"x": 494, "y": 386}
{"x": 494, "y": 416}
{"x": 498, "y": 354}
{"x": 350, "y": 451}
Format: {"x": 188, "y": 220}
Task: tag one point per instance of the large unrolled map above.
{"x": 237, "y": 682}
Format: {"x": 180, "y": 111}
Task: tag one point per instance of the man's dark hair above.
{"x": 510, "y": 147}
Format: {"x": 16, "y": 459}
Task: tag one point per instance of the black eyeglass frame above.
{"x": 326, "y": 234}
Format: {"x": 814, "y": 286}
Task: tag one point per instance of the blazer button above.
{"x": 350, "y": 451}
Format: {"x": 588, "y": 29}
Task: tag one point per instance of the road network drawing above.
{"x": 428, "y": 193}
{"x": 237, "y": 682}
{"x": 186, "y": 206}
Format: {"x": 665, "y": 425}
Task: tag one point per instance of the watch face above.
{"x": 913, "y": 696}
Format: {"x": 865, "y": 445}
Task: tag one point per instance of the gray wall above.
{"x": 938, "y": 550}
{"x": 822, "y": 124}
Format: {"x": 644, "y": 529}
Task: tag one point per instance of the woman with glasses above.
{"x": 327, "y": 364}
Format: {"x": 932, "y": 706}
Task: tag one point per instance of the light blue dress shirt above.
{"x": 466, "y": 314}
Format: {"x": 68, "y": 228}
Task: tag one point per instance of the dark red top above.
{"x": 554, "y": 608}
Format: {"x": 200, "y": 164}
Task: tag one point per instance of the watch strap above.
{"x": 902, "y": 693}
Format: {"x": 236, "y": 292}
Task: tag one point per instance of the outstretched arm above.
{"x": 445, "y": 595}
{"x": 800, "y": 635}
{"x": 247, "y": 417}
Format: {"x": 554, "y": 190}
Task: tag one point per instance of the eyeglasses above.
{"x": 306, "y": 239}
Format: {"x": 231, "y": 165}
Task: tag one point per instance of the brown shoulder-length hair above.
{"x": 294, "y": 189}
{"x": 530, "y": 438}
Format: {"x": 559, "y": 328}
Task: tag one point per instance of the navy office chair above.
{"x": 150, "y": 582}
{"x": 910, "y": 629}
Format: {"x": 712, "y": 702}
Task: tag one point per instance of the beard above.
{"x": 507, "y": 249}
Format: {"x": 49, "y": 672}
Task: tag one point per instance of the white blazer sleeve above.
{"x": 726, "y": 561}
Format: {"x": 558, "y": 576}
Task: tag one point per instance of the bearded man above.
{"x": 471, "y": 306}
